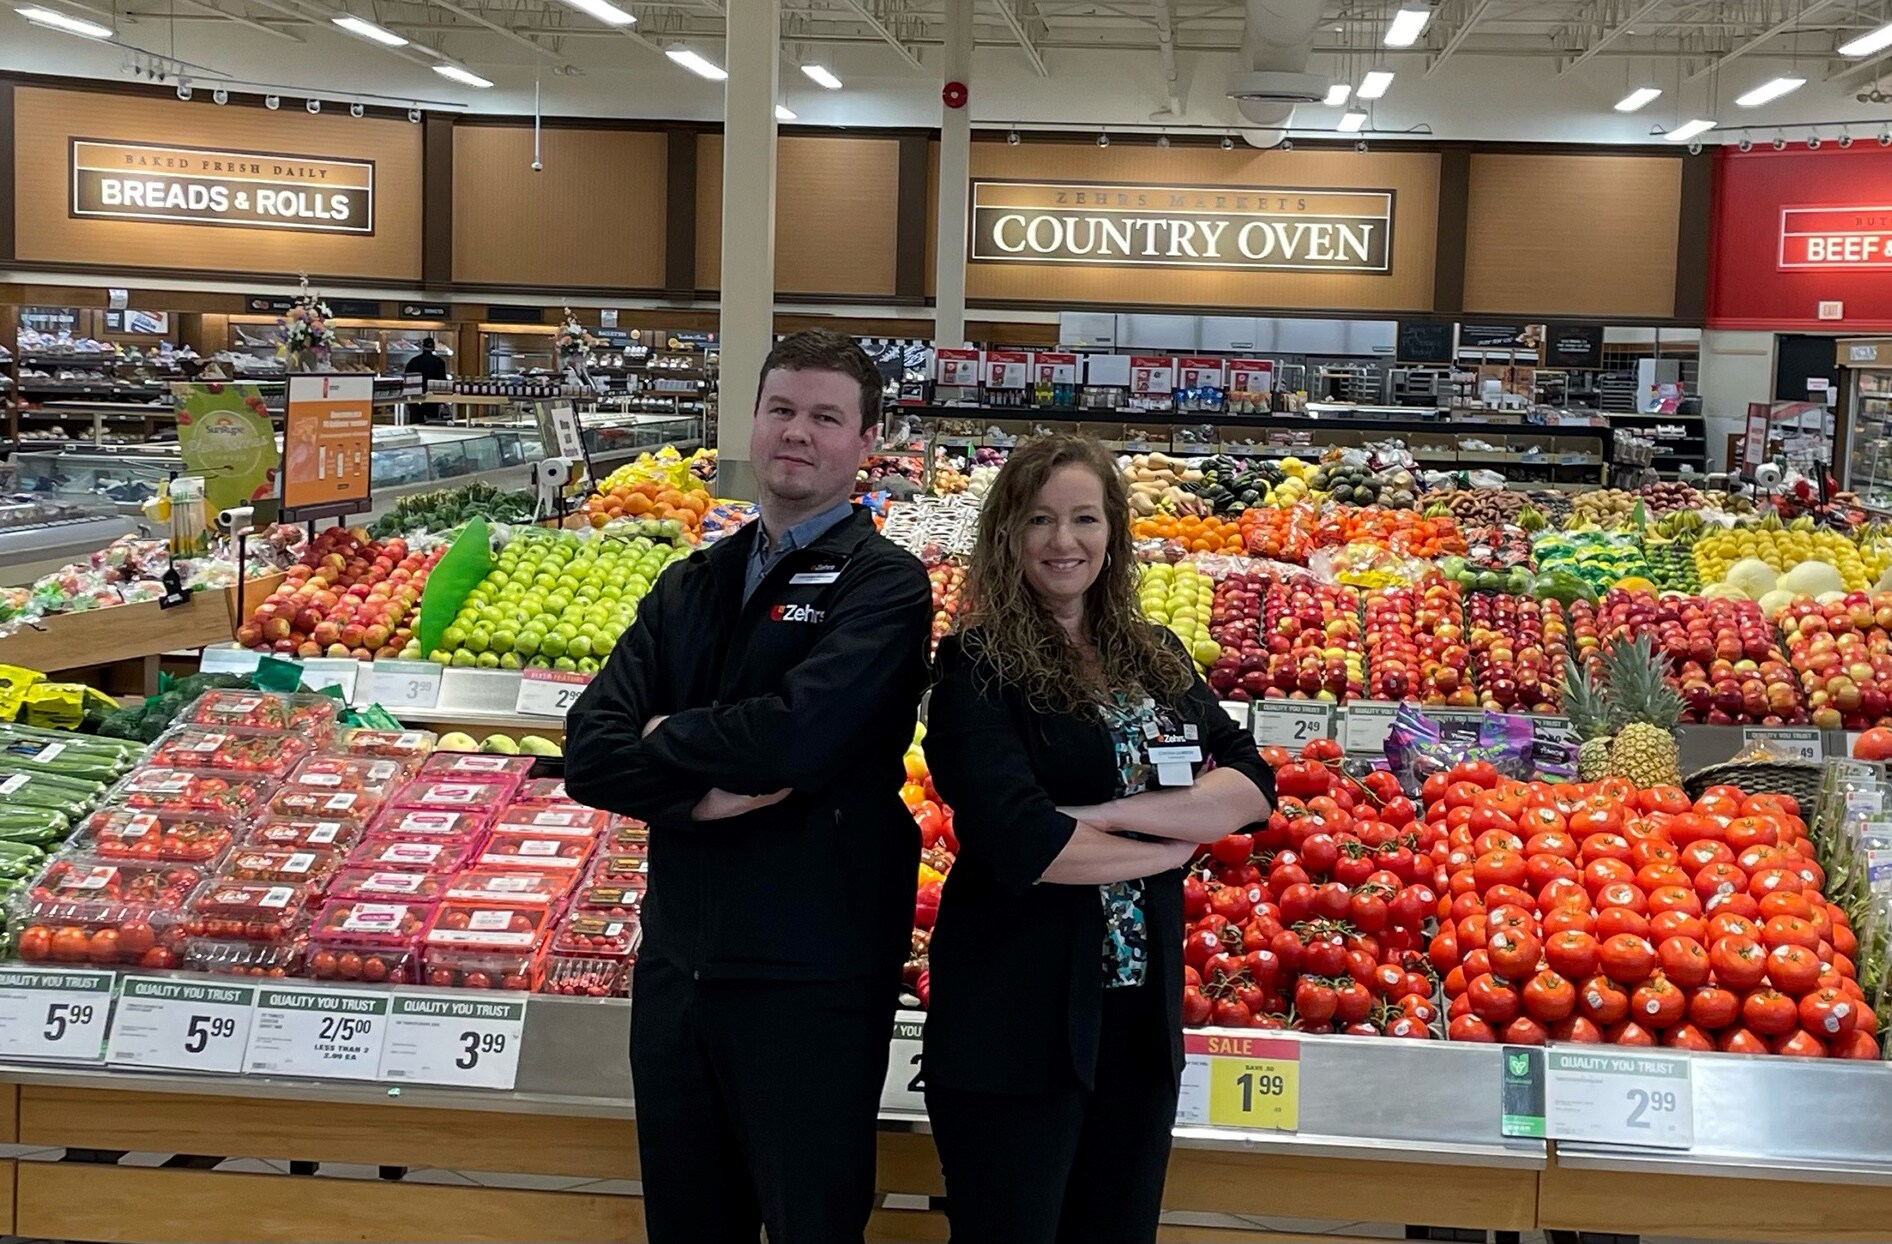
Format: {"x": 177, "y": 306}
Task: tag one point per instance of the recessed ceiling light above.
{"x": 365, "y": 29}
{"x": 822, "y": 76}
{"x": 1639, "y": 98}
{"x": 1689, "y": 129}
{"x": 606, "y": 12}
{"x": 1407, "y": 25}
{"x": 1768, "y": 92}
{"x": 1353, "y": 122}
{"x": 1868, "y": 43}
{"x": 1337, "y": 94}
{"x": 696, "y": 64}
{"x": 465, "y": 77}
{"x": 52, "y": 19}
{"x": 783, "y": 113}
{"x": 1375, "y": 83}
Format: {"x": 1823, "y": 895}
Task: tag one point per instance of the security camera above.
{"x": 356, "y": 110}
{"x": 237, "y": 519}
{"x": 314, "y": 106}
{"x": 272, "y": 102}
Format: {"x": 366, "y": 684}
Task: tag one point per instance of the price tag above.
{"x": 331, "y": 1033}
{"x": 1237, "y": 711}
{"x": 902, "y": 1091}
{"x": 549, "y": 693}
{"x": 1292, "y": 723}
{"x": 50, "y": 1013}
{"x": 321, "y": 673}
{"x": 405, "y": 684}
{"x": 194, "y": 1025}
{"x": 1367, "y": 725}
{"x": 1644, "y": 1099}
{"x": 1240, "y": 1081}
{"x": 229, "y": 659}
{"x": 465, "y": 1042}
{"x": 1798, "y": 744}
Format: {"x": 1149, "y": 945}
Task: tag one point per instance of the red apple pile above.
{"x": 1415, "y": 645}
{"x": 1842, "y": 654}
{"x": 1312, "y": 633}
{"x": 349, "y": 596}
{"x": 1517, "y": 651}
{"x": 1724, "y": 656}
{"x": 1241, "y": 671}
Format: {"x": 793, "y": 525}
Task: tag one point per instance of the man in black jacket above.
{"x": 756, "y": 715}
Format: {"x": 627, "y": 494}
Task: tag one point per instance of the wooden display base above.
{"x": 141, "y": 633}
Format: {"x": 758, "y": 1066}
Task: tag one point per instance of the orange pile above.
{"x": 1402, "y": 531}
{"x": 649, "y": 499}
{"x": 1279, "y": 535}
{"x": 1198, "y": 534}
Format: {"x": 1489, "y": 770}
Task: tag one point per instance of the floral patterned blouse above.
{"x": 1126, "y": 936}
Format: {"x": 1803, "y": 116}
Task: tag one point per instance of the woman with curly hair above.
{"x": 1084, "y": 761}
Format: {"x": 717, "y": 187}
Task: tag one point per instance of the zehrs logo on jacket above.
{"x": 797, "y": 613}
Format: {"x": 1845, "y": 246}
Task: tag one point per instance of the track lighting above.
{"x": 1011, "y": 137}
{"x": 220, "y": 96}
{"x": 1360, "y": 146}
{"x": 1885, "y": 138}
{"x": 1780, "y": 143}
{"x": 184, "y": 90}
{"x": 1287, "y": 144}
{"x": 1746, "y": 143}
{"x": 1228, "y": 143}
{"x": 272, "y": 102}
{"x": 1103, "y": 139}
{"x": 356, "y": 110}
{"x": 413, "y": 114}
{"x": 1694, "y": 148}
{"x": 1813, "y": 142}
{"x": 1845, "y": 140}
{"x": 314, "y": 106}
{"x": 1162, "y": 141}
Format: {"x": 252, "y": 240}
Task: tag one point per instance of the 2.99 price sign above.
{"x": 1642, "y": 1099}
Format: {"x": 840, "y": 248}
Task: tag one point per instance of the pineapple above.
{"x": 1589, "y": 713}
{"x": 1647, "y": 709}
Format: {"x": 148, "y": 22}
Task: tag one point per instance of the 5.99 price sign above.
{"x": 51, "y": 1013}
{"x": 191, "y": 1025}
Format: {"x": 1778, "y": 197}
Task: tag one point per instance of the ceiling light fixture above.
{"x": 1162, "y": 141}
{"x": 1407, "y": 25}
{"x": 702, "y": 68}
{"x": 314, "y": 106}
{"x": 606, "y": 12}
{"x": 1353, "y": 122}
{"x": 1103, "y": 139}
{"x": 1845, "y": 139}
{"x": 1768, "y": 92}
{"x": 821, "y": 75}
{"x": 465, "y": 77}
{"x": 220, "y": 97}
{"x": 1287, "y": 144}
{"x": 1780, "y": 142}
{"x": 1360, "y": 147}
{"x": 1868, "y": 43}
{"x": 272, "y": 102}
{"x": 1689, "y": 129}
{"x": 184, "y": 90}
{"x": 1746, "y": 143}
{"x": 1337, "y": 94}
{"x": 356, "y": 110}
{"x": 1011, "y": 137}
{"x": 52, "y": 19}
{"x": 1813, "y": 141}
{"x": 362, "y": 28}
{"x": 413, "y": 115}
{"x": 1638, "y": 99}
{"x": 1228, "y": 142}
{"x": 1375, "y": 83}
{"x": 784, "y": 113}
{"x": 1885, "y": 138}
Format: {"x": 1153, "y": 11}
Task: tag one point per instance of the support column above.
{"x": 955, "y": 173}
{"x": 753, "y": 55}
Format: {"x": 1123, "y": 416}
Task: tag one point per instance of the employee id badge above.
{"x": 1174, "y": 757}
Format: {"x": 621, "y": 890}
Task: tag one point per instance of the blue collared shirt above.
{"x": 767, "y": 552}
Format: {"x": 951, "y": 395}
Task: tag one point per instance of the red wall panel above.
{"x": 1748, "y": 288}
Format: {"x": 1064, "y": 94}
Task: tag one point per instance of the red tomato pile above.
{"x": 1606, "y": 913}
{"x": 938, "y": 848}
{"x": 1316, "y": 920}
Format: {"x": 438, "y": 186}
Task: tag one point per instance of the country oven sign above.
{"x": 1260, "y": 228}
{"x": 203, "y": 186}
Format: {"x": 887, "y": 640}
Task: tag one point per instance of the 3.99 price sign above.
{"x": 465, "y": 1042}
{"x": 192, "y": 1025}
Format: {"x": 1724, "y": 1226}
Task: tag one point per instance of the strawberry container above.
{"x": 587, "y": 935}
{"x": 258, "y": 752}
{"x": 284, "y": 865}
{"x": 293, "y": 831}
{"x": 381, "y": 885}
{"x": 354, "y": 808}
{"x": 82, "y": 909}
{"x": 311, "y": 716}
{"x": 506, "y": 888}
{"x": 367, "y": 941}
{"x": 544, "y": 791}
{"x": 430, "y": 824}
{"x": 378, "y": 851}
{"x": 587, "y": 978}
{"x": 454, "y": 795}
{"x": 249, "y": 911}
{"x": 410, "y": 747}
{"x": 162, "y": 789}
{"x": 477, "y": 767}
{"x": 185, "y": 837}
{"x": 265, "y": 959}
{"x": 610, "y": 898}
{"x": 566, "y": 822}
{"x": 534, "y": 852}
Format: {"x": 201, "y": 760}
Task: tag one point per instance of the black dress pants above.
{"x": 757, "y": 1104}
{"x": 1073, "y": 1166}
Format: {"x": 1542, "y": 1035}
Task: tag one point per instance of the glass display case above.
{"x": 1867, "y": 462}
{"x": 379, "y": 346}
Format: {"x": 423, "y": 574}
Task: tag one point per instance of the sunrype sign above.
{"x": 202, "y": 186}
{"x": 1259, "y": 228}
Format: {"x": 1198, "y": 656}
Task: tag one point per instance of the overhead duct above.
{"x": 1277, "y": 40}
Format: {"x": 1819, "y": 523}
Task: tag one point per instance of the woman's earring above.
{"x": 1106, "y": 561}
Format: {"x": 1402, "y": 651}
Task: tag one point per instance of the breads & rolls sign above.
{"x": 1260, "y": 228}
{"x": 202, "y": 186}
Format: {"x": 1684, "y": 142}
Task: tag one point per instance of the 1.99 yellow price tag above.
{"x": 1242, "y": 1081}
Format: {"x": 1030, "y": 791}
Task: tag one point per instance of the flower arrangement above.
{"x": 574, "y": 344}
{"x": 306, "y": 326}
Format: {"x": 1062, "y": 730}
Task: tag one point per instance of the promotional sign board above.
{"x": 1257, "y": 228}
{"x": 224, "y": 434}
{"x": 1836, "y": 239}
{"x": 326, "y": 431}
{"x": 207, "y": 186}
{"x": 1574, "y": 345}
{"x": 1425, "y": 341}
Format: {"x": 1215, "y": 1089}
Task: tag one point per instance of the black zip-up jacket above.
{"x": 814, "y": 684}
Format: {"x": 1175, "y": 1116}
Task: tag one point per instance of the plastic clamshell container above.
{"x": 184, "y": 837}
{"x": 296, "y": 831}
{"x": 454, "y": 795}
{"x": 386, "y": 885}
{"x": 483, "y": 925}
{"x": 477, "y": 767}
{"x": 430, "y": 824}
{"x": 568, "y": 822}
{"x": 259, "y": 752}
{"x": 619, "y": 868}
{"x": 410, "y": 746}
{"x": 533, "y": 852}
{"x": 76, "y": 878}
{"x": 447, "y": 968}
{"x": 271, "y": 959}
{"x": 252, "y": 911}
{"x": 543, "y": 791}
{"x": 484, "y": 885}
{"x": 284, "y": 865}
{"x": 588, "y": 935}
{"x": 163, "y": 789}
{"x": 311, "y": 716}
{"x": 367, "y": 941}
{"x": 610, "y": 898}
{"x": 587, "y": 978}
{"x": 378, "y": 851}
{"x": 376, "y": 774}
{"x": 628, "y": 834}
{"x": 352, "y": 807}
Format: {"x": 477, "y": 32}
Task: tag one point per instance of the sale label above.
{"x": 1240, "y": 1081}
{"x": 329, "y": 1033}
{"x": 1292, "y": 723}
{"x": 191, "y": 1025}
{"x": 405, "y": 684}
{"x": 465, "y": 1042}
{"x": 549, "y": 693}
{"x": 53, "y": 1013}
{"x": 1644, "y": 1099}
{"x": 903, "y": 1091}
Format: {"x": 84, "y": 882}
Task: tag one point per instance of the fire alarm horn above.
{"x": 954, "y": 94}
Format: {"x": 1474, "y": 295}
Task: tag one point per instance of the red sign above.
{"x": 1837, "y": 239}
{"x": 1778, "y": 260}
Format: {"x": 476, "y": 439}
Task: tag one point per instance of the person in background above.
{"x": 756, "y": 715}
{"x": 1084, "y": 761}
{"x": 431, "y": 367}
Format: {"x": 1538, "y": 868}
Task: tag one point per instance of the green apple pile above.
{"x": 1181, "y": 598}
{"x": 554, "y": 600}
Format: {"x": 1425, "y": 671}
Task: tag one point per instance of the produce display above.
{"x": 661, "y": 490}
{"x": 1183, "y": 599}
{"x": 447, "y": 508}
{"x": 349, "y": 595}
